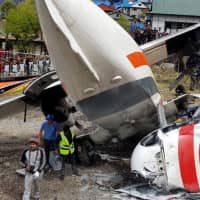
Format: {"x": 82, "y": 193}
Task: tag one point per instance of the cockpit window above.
{"x": 150, "y": 139}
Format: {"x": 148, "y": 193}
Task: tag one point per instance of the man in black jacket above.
{"x": 33, "y": 160}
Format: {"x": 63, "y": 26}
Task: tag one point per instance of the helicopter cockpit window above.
{"x": 150, "y": 139}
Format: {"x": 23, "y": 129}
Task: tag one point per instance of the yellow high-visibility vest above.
{"x": 65, "y": 147}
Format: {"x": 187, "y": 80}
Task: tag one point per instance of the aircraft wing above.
{"x": 187, "y": 41}
{"x": 32, "y": 95}
{"x": 12, "y": 105}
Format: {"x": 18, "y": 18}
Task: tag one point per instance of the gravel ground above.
{"x": 93, "y": 184}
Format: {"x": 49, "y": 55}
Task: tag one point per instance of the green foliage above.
{"x": 124, "y": 22}
{"x": 7, "y": 6}
{"x": 22, "y": 23}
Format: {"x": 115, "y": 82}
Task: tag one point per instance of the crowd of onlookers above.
{"x": 142, "y": 32}
{"x": 19, "y": 64}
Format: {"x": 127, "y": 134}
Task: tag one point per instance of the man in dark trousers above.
{"x": 33, "y": 160}
{"x": 48, "y": 132}
{"x": 66, "y": 144}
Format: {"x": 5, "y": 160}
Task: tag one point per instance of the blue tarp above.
{"x": 117, "y": 4}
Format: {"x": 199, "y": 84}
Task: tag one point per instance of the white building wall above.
{"x": 159, "y": 20}
{"x": 132, "y": 12}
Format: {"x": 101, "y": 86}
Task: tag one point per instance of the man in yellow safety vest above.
{"x": 66, "y": 143}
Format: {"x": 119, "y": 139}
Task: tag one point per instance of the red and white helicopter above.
{"x": 170, "y": 157}
{"x": 110, "y": 80}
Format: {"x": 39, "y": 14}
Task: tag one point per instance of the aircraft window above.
{"x": 150, "y": 139}
{"x": 116, "y": 79}
{"x": 88, "y": 90}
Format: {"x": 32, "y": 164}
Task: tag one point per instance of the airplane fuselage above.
{"x": 100, "y": 66}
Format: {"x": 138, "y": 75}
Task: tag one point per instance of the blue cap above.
{"x": 49, "y": 117}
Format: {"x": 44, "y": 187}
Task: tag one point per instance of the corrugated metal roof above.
{"x": 176, "y": 7}
{"x": 132, "y": 4}
{"x": 106, "y": 8}
{"x": 121, "y": 4}
{"x": 100, "y": 2}
{"x": 145, "y": 1}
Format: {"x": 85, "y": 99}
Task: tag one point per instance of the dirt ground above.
{"x": 91, "y": 185}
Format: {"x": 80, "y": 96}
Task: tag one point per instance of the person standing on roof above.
{"x": 48, "y": 132}
{"x": 33, "y": 160}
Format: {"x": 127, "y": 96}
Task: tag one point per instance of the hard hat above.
{"x": 49, "y": 117}
{"x": 34, "y": 139}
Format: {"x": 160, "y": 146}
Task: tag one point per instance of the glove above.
{"x": 36, "y": 175}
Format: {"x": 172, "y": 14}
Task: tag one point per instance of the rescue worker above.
{"x": 33, "y": 160}
{"x": 48, "y": 132}
{"x": 193, "y": 79}
{"x": 66, "y": 143}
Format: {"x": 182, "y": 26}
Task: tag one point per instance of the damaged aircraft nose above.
{"x": 169, "y": 157}
{"x": 145, "y": 157}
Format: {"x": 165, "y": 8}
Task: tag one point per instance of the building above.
{"x": 131, "y": 8}
{"x": 134, "y": 8}
{"x": 106, "y": 6}
{"x": 171, "y": 15}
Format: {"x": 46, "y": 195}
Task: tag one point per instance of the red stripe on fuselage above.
{"x": 187, "y": 158}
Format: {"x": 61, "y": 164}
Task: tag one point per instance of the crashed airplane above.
{"x": 102, "y": 68}
{"x": 110, "y": 80}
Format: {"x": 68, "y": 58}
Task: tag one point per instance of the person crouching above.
{"x": 33, "y": 160}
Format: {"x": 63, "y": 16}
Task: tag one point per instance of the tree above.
{"x": 22, "y": 23}
{"x": 7, "y": 6}
{"x": 124, "y": 22}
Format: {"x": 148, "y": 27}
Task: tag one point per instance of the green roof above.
{"x": 176, "y": 7}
